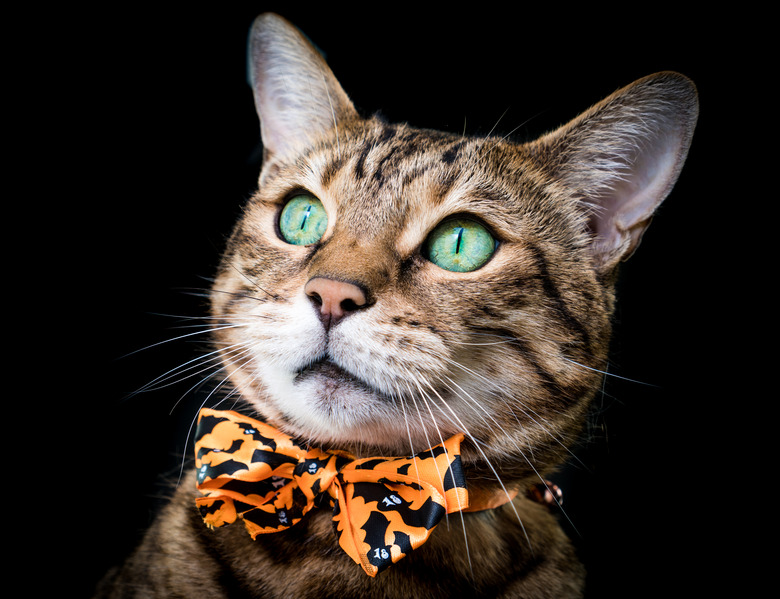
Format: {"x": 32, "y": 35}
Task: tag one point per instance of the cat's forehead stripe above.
{"x": 387, "y": 153}
{"x": 390, "y": 159}
{"x": 379, "y": 177}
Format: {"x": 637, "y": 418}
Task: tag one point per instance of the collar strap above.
{"x": 382, "y": 507}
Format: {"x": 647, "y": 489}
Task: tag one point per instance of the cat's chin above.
{"x": 325, "y": 404}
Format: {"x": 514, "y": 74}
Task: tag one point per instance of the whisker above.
{"x": 156, "y": 383}
{"x": 194, "y": 421}
{"x": 219, "y": 367}
{"x": 179, "y": 338}
{"x": 609, "y": 374}
{"x": 519, "y": 450}
{"x": 253, "y": 283}
{"x": 529, "y": 413}
{"x": 478, "y": 444}
{"x": 507, "y": 339}
{"x": 460, "y": 507}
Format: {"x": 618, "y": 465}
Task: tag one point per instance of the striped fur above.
{"x": 510, "y": 354}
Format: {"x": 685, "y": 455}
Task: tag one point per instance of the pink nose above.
{"x": 335, "y": 299}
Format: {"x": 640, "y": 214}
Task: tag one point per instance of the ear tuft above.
{"x": 297, "y": 97}
{"x": 622, "y": 157}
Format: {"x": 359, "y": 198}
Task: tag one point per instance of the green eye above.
{"x": 303, "y": 220}
{"x": 460, "y": 245}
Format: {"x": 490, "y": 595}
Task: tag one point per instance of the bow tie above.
{"x": 382, "y": 507}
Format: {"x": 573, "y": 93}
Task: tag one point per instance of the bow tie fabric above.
{"x": 382, "y": 507}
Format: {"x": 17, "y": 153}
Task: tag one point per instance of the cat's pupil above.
{"x": 459, "y": 232}
{"x": 305, "y": 217}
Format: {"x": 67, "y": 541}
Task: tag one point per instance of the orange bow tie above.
{"x": 382, "y": 507}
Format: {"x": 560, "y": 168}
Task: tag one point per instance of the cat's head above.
{"x": 388, "y": 287}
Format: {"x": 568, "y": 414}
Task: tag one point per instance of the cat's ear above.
{"x": 296, "y": 95}
{"x": 622, "y": 157}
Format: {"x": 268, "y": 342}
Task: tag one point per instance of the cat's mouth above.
{"x": 334, "y": 376}
{"x": 328, "y": 403}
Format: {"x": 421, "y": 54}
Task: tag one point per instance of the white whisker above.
{"x": 607, "y": 374}
{"x": 178, "y": 371}
{"x": 478, "y": 445}
{"x": 179, "y": 338}
{"x": 194, "y": 421}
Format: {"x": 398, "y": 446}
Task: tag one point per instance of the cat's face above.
{"x": 388, "y": 287}
{"x": 512, "y": 344}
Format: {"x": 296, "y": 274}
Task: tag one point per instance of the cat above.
{"x": 388, "y": 289}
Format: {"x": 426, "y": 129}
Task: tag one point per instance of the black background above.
{"x": 143, "y": 139}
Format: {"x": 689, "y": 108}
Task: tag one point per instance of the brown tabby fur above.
{"x": 511, "y": 353}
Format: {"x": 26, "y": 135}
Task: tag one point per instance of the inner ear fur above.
{"x": 622, "y": 157}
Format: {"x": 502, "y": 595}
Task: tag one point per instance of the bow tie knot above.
{"x": 382, "y": 507}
